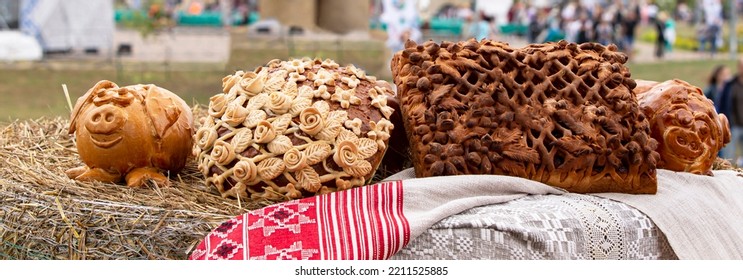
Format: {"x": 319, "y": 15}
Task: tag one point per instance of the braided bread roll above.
{"x": 685, "y": 123}
{"x": 563, "y": 114}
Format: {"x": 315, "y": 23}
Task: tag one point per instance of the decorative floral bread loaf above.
{"x": 294, "y": 129}
{"x": 685, "y": 123}
{"x": 563, "y": 114}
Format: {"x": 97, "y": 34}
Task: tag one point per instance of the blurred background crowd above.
{"x": 687, "y": 24}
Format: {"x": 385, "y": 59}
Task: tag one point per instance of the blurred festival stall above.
{"x": 69, "y": 25}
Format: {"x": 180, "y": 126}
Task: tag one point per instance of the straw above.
{"x": 45, "y": 215}
{"x": 67, "y": 96}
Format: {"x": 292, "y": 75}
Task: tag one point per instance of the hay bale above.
{"x": 45, "y": 215}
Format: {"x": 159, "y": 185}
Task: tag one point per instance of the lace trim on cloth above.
{"x": 537, "y": 227}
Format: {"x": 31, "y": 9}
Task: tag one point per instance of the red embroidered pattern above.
{"x": 360, "y": 223}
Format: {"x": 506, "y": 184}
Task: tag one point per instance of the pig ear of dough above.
{"x": 725, "y": 125}
{"x": 85, "y": 100}
{"x": 162, "y": 111}
{"x": 642, "y": 86}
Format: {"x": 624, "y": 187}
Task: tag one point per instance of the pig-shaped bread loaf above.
{"x": 134, "y": 132}
{"x": 686, "y": 125}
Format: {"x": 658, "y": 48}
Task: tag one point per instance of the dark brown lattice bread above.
{"x": 559, "y": 113}
{"x": 294, "y": 129}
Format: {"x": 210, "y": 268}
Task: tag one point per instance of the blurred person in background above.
{"x": 715, "y": 83}
{"x": 585, "y": 27}
{"x": 574, "y": 17}
{"x": 195, "y": 8}
{"x": 518, "y": 13}
{"x": 225, "y": 9}
{"x": 660, "y": 39}
{"x": 669, "y": 33}
{"x": 479, "y": 27}
{"x": 468, "y": 21}
{"x": 711, "y": 31}
{"x": 597, "y": 16}
{"x": 731, "y": 104}
{"x": 604, "y": 31}
{"x": 465, "y": 11}
{"x": 537, "y": 25}
{"x": 401, "y": 18}
{"x": 651, "y": 11}
{"x": 630, "y": 18}
{"x": 683, "y": 13}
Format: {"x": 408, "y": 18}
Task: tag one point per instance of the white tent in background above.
{"x": 16, "y": 46}
{"x": 61, "y": 25}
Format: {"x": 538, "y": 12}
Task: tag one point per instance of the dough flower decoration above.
{"x": 205, "y": 137}
{"x": 279, "y": 103}
{"x": 351, "y": 81}
{"x": 245, "y": 171}
{"x": 252, "y": 83}
{"x": 264, "y": 133}
{"x": 354, "y": 125}
{"x": 329, "y": 63}
{"x": 217, "y": 105}
{"x": 310, "y": 121}
{"x": 294, "y": 159}
{"x": 380, "y": 132}
{"x": 324, "y": 77}
{"x": 351, "y": 158}
{"x": 229, "y": 81}
{"x": 322, "y": 92}
{"x": 297, "y": 77}
{"x": 235, "y": 113}
{"x": 223, "y": 153}
{"x": 296, "y": 65}
{"x": 345, "y": 97}
{"x": 356, "y": 72}
{"x": 380, "y": 101}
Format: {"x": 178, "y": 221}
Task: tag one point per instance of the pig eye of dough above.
{"x": 704, "y": 130}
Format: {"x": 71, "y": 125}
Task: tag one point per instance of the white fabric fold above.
{"x": 702, "y": 216}
{"x": 428, "y": 200}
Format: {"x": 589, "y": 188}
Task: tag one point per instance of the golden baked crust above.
{"x": 134, "y": 132}
{"x": 563, "y": 114}
{"x": 294, "y": 129}
{"x": 685, "y": 123}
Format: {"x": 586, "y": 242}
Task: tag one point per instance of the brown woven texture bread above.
{"x": 559, "y": 113}
{"x": 294, "y": 129}
{"x": 685, "y": 123}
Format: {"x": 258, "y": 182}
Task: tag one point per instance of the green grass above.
{"x": 36, "y": 91}
{"x": 369, "y": 55}
{"x": 696, "y": 72}
{"x": 33, "y": 93}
